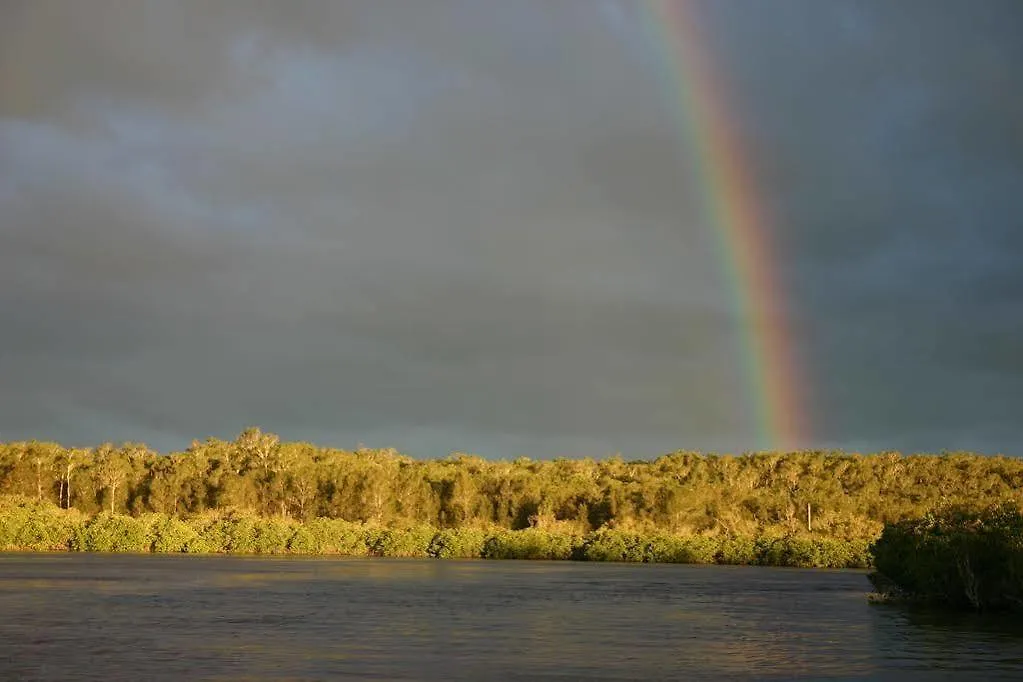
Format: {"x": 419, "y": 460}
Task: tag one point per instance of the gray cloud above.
{"x": 477, "y": 228}
{"x": 889, "y": 143}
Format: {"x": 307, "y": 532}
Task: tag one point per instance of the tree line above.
{"x": 824, "y": 494}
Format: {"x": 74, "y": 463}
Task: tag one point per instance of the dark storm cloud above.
{"x": 473, "y": 226}
{"x": 889, "y": 142}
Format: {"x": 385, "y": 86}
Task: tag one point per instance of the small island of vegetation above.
{"x": 257, "y": 495}
{"x": 960, "y": 558}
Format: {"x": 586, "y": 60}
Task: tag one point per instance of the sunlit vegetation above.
{"x": 959, "y": 557}
{"x": 258, "y": 495}
{"x": 27, "y": 525}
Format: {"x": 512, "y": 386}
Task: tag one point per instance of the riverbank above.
{"x": 43, "y": 527}
{"x": 825, "y": 494}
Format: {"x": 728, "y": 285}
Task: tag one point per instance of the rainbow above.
{"x": 739, "y": 220}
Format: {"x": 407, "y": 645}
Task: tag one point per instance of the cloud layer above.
{"x": 477, "y": 227}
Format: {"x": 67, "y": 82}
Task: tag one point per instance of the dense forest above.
{"x": 849, "y": 496}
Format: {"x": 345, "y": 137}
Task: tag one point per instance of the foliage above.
{"x": 108, "y": 532}
{"x": 36, "y": 526}
{"x": 458, "y": 543}
{"x": 696, "y": 549}
{"x": 260, "y": 495}
{"x": 28, "y": 525}
{"x": 741, "y": 551}
{"x": 414, "y": 541}
{"x": 331, "y": 536}
{"x": 212, "y": 534}
{"x": 611, "y": 545}
{"x": 812, "y": 552}
{"x": 255, "y": 535}
{"x": 168, "y": 534}
{"x": 529, "y": 543}
{"x": 959, "y": 557}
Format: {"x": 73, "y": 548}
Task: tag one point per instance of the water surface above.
{"x": 80, "y": 616}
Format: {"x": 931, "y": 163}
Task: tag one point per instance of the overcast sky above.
{"x": 474, "y": 226}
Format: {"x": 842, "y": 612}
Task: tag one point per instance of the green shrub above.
{"x": 735, "y": 550}
{"x": 35, "y": 533}
{"x": 613, "y": 545}
{"x": 844, "y": 553}
{"x": 803, "y": 552}
{"x": 39, "y": 526}
{"x": 337, "y": 536}
{"x": 12, "y": 521}
{"x": 529, "y": 543}
{"x": 255, "y": 535}
{"x": 694, "y": 549}
{"x": 201, "y": 545}
{"x": 111, "y": 533}
{"x": 458, "y": 543}
{"x": 272, "y": 536}
{"x": 212, "y": 534}
{"x": 240, "y": 535}
{"x": 29, "y": 525}
{"x": 168, "y": 534}
{"x": 9, "y": 526}
{"x": 860, "y": 554}
{"x": 402, "y": 542}
{"x": 304, "y": 541}
{"x": 770, "y": 551}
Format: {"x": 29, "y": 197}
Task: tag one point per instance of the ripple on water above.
{"x": 153, "y": 617}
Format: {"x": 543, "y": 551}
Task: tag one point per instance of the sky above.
{"x": 476, "y": 226}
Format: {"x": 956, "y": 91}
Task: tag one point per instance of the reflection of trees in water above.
{"x": 949, "y": 642}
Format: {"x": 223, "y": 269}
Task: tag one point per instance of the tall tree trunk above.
{"x": 67, "y": 484}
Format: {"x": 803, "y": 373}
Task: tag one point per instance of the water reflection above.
{"x": 160, "y": 617}
{"x": 950, "y": 644}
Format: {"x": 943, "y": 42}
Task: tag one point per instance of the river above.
{"x": 114, "y": 617}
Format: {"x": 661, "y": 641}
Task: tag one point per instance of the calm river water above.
{"x": 75, "y": 616}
